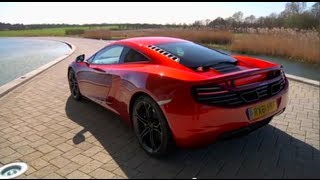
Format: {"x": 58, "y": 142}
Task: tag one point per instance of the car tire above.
{"x": 73, "y": 85}
{"x": 151, "y": 128}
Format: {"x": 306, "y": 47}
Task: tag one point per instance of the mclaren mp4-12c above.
{"x": 176, "y": 93}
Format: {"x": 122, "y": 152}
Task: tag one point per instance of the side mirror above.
{"x": 80, "y": 58}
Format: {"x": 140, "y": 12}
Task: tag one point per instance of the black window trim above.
{"x": 127, "y": 50}
{"x": 90, "y": 58}
{"x": 121, "y": 59}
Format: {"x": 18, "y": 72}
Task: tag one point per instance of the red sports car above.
{"x": 175, "y": 92}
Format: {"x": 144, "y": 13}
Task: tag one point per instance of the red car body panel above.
{"x": 169, "y": 82}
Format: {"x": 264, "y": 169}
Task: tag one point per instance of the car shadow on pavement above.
{"x": 265, "y": 153}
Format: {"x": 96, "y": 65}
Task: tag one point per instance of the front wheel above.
{"x": 73, "y": 85}
{"x": 151, "y": 127}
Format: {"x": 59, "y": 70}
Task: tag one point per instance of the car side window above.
{"x": 110, "y": 55}
{"x": 134, "y": 56}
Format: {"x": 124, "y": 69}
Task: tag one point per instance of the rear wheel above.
{"x": 73, "y": 85}
{"x": 151, "y": 127}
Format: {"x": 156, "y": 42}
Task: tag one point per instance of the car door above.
{"x": 121, "y": 77}
{"x": 95, "y": 82}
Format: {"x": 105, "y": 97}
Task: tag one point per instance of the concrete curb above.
{"x": 303, "y": 80}
{"x": 4, "y": 89}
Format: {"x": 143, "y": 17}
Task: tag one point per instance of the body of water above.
{"x": 310, "y": 71}
{"x": 306, "y": 70}
{"x": 19, "y": 56}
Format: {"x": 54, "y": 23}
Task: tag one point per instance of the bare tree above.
{"x": 315, "y": 10}
{"x": 197, "y": 24}
{"x": 207, "y": 22}
{"x": 250, "y": 19}
{"x": 219, "y": 22}
{"x": 238, "y": 16}
{"x": 294, "y": 8}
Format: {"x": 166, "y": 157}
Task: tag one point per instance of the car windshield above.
{"x": 193, "y": 55}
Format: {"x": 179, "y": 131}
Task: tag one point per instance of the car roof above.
{"x": 142, "y": 45}
{"x": 150, "y": 40}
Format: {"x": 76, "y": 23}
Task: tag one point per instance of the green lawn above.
{"x": 48, "y": 31}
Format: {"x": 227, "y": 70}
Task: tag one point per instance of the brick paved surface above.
{"x": 60, "y": 138}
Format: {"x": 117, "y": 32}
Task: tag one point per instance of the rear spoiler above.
{"x": 240, "y": 74}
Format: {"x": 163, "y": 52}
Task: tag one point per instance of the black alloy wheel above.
{"x": 73, "y": 85}
{"x": 151, "y": 127}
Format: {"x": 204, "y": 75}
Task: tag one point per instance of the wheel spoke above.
{"x": 147, "y": 108}
{"x": 154, "y": 113}
{"x": 158, "y": 131}
{"x": 70, "y": 80}
{"x": 74, "y": 90}
{"x": 74, "y": 80}
{"x": 153, "y": 146}
{"x": 141, "y": 119}
{"x": 76, "y": 87}
{"x": 144, "y": 132}
{"x": 157, "y": 125}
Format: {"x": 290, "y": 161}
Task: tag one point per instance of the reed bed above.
{"x": 290, "y": 43}
{"x": 300, "y": 46}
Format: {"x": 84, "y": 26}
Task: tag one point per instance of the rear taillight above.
{"x": 211, "y": 88}
{"x": 250, "y": 79}
{"x": 230, "y": 93}
{"x": 214, "y": 94}
{"x": 273, "y": 74}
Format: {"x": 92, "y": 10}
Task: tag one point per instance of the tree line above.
{"x": 8, "y": 26}
{"x": 295, "y": 15}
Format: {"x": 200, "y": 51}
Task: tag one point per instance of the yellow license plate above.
{"x": 262, "y": 110}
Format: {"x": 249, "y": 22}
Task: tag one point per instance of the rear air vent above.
{"x": 225, "y": 67}
{"x": 163, "y": 52}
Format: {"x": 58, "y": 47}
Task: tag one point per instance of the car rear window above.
{"x": 194, "y": 55}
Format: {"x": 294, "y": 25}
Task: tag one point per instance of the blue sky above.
{"x": 127, "y": 12}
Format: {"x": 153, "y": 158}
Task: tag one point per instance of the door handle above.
{"x": 98, "y": 69}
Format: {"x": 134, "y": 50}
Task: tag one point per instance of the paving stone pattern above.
{"x": 60, "y": 138}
